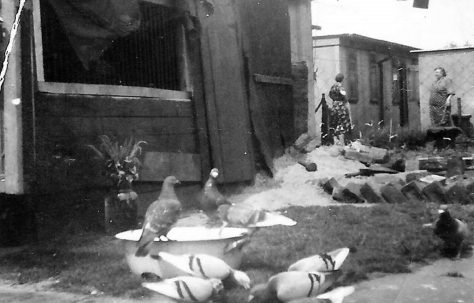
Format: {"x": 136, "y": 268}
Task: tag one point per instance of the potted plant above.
{"x": 120, "y": 166}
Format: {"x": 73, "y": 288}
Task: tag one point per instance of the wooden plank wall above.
{"x": 225, "y": 90}
{"x": 300, "y": 96}
{"x": 67, "y": 123}
{"x": 266, "y": 31}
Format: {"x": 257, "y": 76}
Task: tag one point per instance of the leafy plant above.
{"x": 121, "y": 161}
{"x": 402, "y": 137}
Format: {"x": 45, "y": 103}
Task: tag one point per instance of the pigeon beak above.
{"x": 440, "y": 211}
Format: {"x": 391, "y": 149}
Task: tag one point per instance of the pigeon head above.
{"x": 260, "y": 294}
{"x": 171, "y": 180}
{"x": 444, "y": 214}
{"x": 214, "y": 173}
{"x": 217, "y": 288}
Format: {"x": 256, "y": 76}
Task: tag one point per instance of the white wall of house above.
{"x": 459, "y": 65}
{"x": 331, "y": 57}
{"x": 363, "y": 110}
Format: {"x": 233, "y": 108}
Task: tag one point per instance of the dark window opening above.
{"x": 413, "y": 84}
{"x": 395, "y": 82}
{"x": 353, "y": 79}
{"x": 374, "y": 78}
{"x": 148, "y": 57}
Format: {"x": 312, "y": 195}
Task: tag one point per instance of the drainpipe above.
{"x": 12, "y": 117}
{"x": 381, "y": 90}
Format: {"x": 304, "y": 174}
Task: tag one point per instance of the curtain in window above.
{"x": 92, "y": 25}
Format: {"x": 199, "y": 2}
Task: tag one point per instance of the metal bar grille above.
{"x": 145, "y": 58}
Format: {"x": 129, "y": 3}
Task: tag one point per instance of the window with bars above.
{"x": 150, "y": 56}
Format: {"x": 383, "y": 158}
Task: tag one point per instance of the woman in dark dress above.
{"x": 440, "y": 99}
{"x": 340, "y": 115}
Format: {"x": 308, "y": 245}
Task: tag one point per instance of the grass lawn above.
{"x": 387, "y": 238}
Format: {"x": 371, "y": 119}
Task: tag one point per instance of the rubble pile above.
{"x": 443, "y": 180}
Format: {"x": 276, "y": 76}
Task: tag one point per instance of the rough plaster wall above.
{"x": 363, "y": 111}
{"x": 459, "y": 65}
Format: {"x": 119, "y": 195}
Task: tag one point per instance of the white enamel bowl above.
{"x": 186, "y": 240}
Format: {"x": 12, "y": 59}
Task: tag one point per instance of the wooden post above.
{"x": 302, "y": 51}
{"x": 12, "y": 126}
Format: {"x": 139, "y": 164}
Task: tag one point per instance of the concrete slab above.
{"x": 433, "y": 283}
{"x": 29, "y": 293}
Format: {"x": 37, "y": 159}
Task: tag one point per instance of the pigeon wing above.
{"x": 187, "y": 289}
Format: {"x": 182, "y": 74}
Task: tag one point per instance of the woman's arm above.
{"x": 448, "y": 100}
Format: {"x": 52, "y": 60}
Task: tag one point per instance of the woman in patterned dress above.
{"x": 440, "y": 97}
{"x": 340, "y": 115}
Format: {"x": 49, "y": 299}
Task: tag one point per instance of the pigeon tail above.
{"x": 144, "y": 244}
{"x": 273, "y": 218}
{"x": 352, "y": 249}
{"x": 240, "y": 278}
{"x": 337, "y": 295}
{"x": 143, "y": 250}
{"x": 237, "y": 244}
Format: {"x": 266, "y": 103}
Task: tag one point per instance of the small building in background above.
{"x": 381, "y": 78}
{"x": 459, "y": 66}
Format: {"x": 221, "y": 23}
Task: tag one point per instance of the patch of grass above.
{"x": 454, "y": 274}
{"x": 381, "y": 137}
{"x": 387, "y": 238}
{"x": 83, "y": 264}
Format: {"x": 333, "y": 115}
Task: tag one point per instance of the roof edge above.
{"x": 362, "y": 37}
{"x": 443, "y": 49}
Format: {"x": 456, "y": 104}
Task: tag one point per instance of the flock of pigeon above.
{"x": 205, "y": 275}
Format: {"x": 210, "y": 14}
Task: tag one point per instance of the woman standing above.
{"x": 440, "y": 99}
{"x": 340, "y": 115}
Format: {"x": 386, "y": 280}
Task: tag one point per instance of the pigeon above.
{"x": 245, "y": 215}
{"x": 322, "y": 262}
{"x": 188, "y": 289}
{"x": 452, "y": 231}
{"x": 210, "y": 198}
{"x": 337, "y": 295}
{"x": 206, "y": 266}
{"x": 292, "y": 285}
{"x": 160, "y": 216}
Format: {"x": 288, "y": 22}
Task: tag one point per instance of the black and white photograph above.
{"x": 236, "y": 151}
